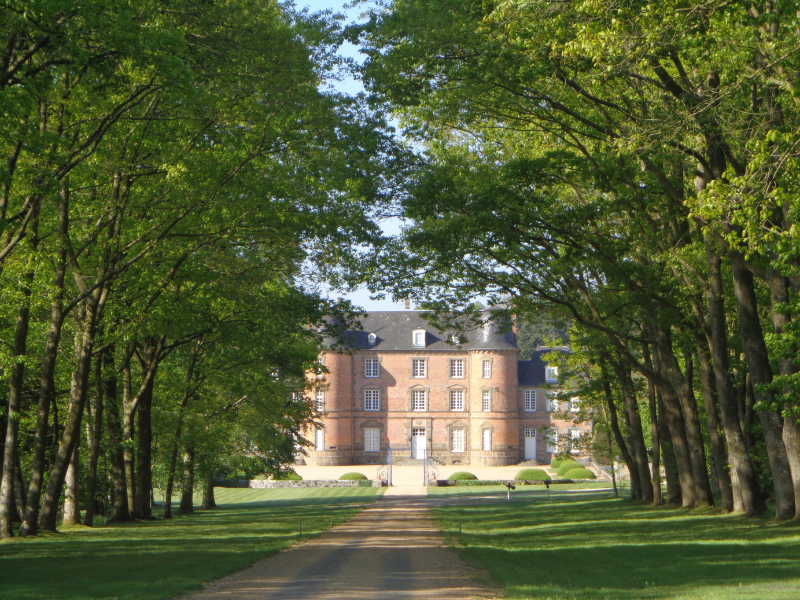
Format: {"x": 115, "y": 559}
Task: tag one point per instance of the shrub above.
{"x": 462, "y": 476}
{"x": 532, "y": 475}
{"x": 555, "y": 463}
{"x": 580, "y": 473}
{"x": 568, "y": 465}
{"x": 353, "y": 477}
{"x": 287, "y": 476}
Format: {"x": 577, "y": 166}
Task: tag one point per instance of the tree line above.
{"x": 172, "y": 179}
{"x": 633, "y": 168}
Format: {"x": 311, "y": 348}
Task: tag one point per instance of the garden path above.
{"x": 390, "y": 550}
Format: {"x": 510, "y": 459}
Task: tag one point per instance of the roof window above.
{"x": 418, "y": 338}
{"x": 372, "y": 339}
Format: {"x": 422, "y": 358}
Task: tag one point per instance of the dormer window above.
{"x": 372, "y": 339}
{"x": 455, "y": 339}
{"x": 551, "y": 374}
{"x": 418, "y": 338}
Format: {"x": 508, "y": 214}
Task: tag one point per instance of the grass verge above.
{"x": 159, "y": 559}
{"x": 587, "y": 548}
{"x": 487, "y": 490}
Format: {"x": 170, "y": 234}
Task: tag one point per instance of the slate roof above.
{"x": 530, "y": 373}
{"x": 393, "y": 331}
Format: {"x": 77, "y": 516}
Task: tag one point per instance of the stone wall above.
{"x": 261, "y": 484}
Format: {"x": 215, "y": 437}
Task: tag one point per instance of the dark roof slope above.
{"x": 531, "y": 372}
{"x": 393, "y": 331}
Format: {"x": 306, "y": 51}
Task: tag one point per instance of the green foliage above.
{"x": 566, "y": 466}
{"x": 289, "y": 475}
{"x": 353, "y": 477}
{"x": 462, "y": 476}
{"x": 532, "y": 475}
{"x": 580, "y": 473}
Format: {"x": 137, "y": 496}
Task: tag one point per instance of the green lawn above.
{"x": 589, "y": 548}
{"x": 161, "y": 559}
{"x": 485, "y": 490}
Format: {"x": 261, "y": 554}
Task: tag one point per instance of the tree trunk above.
{"x": 635, "y": 432}
{"x": 187, "y": 491}
{"x": 128, "y": 410}
{"x": 78, "y": 392}
{"x": 674, "y": 492}
{"x": 636, "y": 488}
{"x": 30, "y": 522}
{"x": 654, "y": 434}
{"x": 121, "y": 512}
{"x": 151, "y": 355}
{"x": 755, "y": 351}
{"x": 744, "y": 479}
{"x": 72, "y": 492}
{"x": 96, "y": 433}
{"x": 208, "y": 492}
{"x": 719, "y": 453}
{"x": 10, "y": 447}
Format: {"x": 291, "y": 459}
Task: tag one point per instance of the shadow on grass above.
{"x": 592, "y": 549}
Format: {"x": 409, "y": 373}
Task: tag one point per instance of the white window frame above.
{"x": 457, "y": 400}
{"x": 552, "y": 402}
{"x": 574, "y": 404}
{"x": 530, "y": 400}
{"x": 372, "y": 439}
{"x": 457, "y": 440}
{"x": 486, "y": 400}
{"x": 457, "y": 368}
{"x": 372, "y": 399}
{"x": 418, "y": 338}
{"x": 486, "y": 369}
{"x": 551, "y": 374}
{"x": 486, "y": 440}
{"x": 551, "y": 440}
{"x": 372, "y": 368}
{"x": 419, "y": 400}
{"x": 575, "y": 436}
{"x": 419, "y": 368}
{"x": 320, "y": 401}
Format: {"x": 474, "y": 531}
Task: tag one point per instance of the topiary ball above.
{"x": 579, "y": 473}
{"x": 532, "y": 475}
{"x": 462, "y": 476}
{"x": 555, "y": 463}
{"x": 568, "y": 465}
{"x": 353, "y": 477}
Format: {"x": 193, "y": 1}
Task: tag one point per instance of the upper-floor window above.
{"x": 372, "y": 400}
{"x": 371, "y": 367}
{"x": 419, "y": 400}
{"x": 552, "y": 402}
{"x": 456, "y": 399}
{"x": 419, "y": 367}
{"x": 551, "y": 374}
{"x": 530, "y": 400}
{"x": 320, "y": 401}
{"x": 487, "y": 369}
{"x": 418, "y": 338}
{"x": 486, "y": 400}
{"x": 457, "y": 368}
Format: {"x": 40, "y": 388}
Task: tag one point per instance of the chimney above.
{"x": 408, "y": 303}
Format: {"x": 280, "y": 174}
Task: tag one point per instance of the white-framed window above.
{"x": 372, "y": 399}
{"x": 418, "y": 338}
{"x": 574, "y": 404}
{"x": 575, "y": 441}
{"x": 319, "y": 439}
{"x": 486, "y": 400}
{"x": 552, "y": 403}
{"x": 371, "y": 367}
{"x": 296, "y": 396}
{"x": 530, "y": 400}
{"x": 419, "y": 400}
{"x": 419, "y": 367}
{"x": 456, "y": 399}
{"x": 551, "y": 374}
{"x": 372, "y": 339}
{"x": 456, "y": 440}
{"x": 486, "y": 369}
{"x": 372, "y": 439}
{"x": 320, "y": 401}
{"x": 487, "y": 440}
{"x": 456, "y": 368}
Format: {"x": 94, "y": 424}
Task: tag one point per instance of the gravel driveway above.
{"x": 390, "y": 550}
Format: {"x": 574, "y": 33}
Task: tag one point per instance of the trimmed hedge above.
{"x": 482, "y": 482}
{"x": 353, "y": 477}
{"x": 555, "y": 463}
{"x": 567, "y": 466}
{"x": 532, "y": 475}
{"x": 580, "y": 473}
{"x": 462, "y": 476}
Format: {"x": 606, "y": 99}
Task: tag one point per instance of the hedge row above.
{"x": 481, "y": 482}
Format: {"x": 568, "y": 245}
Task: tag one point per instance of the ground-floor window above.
{"x": 372, "y": 439}
{"x": 575, "y": 441}
{"x": 320, "y": 439}
{"x": 456, "y": 440}
{"x": 487, "y": 440}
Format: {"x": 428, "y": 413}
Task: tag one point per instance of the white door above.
{"x": 418, "y": 443}
{"x": 530, "y": 443}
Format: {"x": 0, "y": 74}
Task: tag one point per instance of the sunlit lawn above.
{"x": 485, "y": 490}
{"x": 590, "y": 548}
{"x": 161, "y": 559}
